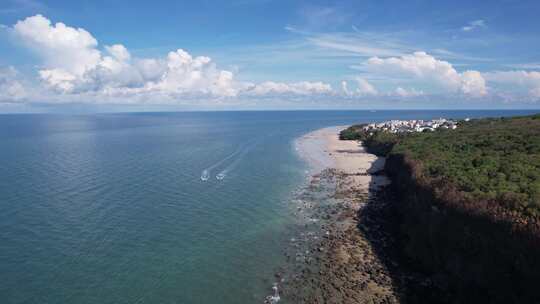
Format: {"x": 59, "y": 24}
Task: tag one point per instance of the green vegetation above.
{"x": 495, "y": 160}
{"x": 353, "y": 133}
{"x": 466, "y": 200}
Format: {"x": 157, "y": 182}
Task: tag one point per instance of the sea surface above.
{"x": 111, "y": 208}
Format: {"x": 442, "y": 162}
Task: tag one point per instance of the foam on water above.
{"x": 274, "y": 298}
{"x": 205, "y": 175}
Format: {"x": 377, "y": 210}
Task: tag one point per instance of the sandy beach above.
{"x": 348, "y": 249}
{"x": 345, "y": 253}
{"x": 323, "y": 150}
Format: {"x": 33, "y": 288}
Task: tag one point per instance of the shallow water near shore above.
{"x": 111, "y": 208}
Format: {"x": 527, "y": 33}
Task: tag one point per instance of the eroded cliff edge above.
{"x": 477, "y": 247}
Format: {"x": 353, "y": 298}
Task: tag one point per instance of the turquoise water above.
{"x": 111, "y": 208}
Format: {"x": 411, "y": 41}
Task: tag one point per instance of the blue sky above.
{"x": 265, "y": 54}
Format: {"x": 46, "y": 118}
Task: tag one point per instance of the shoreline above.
{"x": 322, "y": 149}
{"x": 335, "y": 259}
{"x": 347, "y": 247}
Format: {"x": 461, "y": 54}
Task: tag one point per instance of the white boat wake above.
{"x": 240, "y": 152}
{"x": 273, "y": 299}
{"x": 221, "y": 175}
{"x": 205, "y": 175}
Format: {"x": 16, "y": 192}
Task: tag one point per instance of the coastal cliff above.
{"x": 467, "y": 205}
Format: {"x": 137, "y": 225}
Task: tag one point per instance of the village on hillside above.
{"x": 401, "y": 126}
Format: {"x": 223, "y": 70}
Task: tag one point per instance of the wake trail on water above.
{"x": 221, "y": 175}
{"x": 205, "y": 175}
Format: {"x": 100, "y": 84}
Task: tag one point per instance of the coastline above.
{"x": 347, "y": 247}
{"x": 416, "y": 240}
{"x": 322, "y": 149}
{"x": 340, "y": 255}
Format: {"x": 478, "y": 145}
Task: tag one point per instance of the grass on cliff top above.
{"x": 495, "y": 159}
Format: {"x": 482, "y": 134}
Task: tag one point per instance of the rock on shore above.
{"x": 346, "y": 250}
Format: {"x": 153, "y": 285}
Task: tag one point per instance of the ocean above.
{"x": 190, "y": 207}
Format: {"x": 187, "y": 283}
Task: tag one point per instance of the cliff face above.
{"x": 483, "y": 252}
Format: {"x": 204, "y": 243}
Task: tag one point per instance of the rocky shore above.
{"x": 347, "y": 246}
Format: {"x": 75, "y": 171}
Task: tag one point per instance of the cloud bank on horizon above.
{"x": 73, "y": 67}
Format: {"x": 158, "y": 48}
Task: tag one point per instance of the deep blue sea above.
{"x": 111, "y": 208}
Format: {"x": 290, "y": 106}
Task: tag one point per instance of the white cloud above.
{"x": 74, "y": 67}
{"x": 525, "y": 79}
{"x": 72, "y": 50}
{"x": 59, "y": 79}
{"x": 345, "y": 89}
{"x": 418, "y": 64}
{"x": 11, "y": 88}
{"x": 363, "y": 88}
{"x": 73, "y": 64}
{"x": 298, "y": 88}
{"x": 473, "y": 25}
{"x": 71, "y": 60}
{"x": 358, "y": 43}
{"x": 361, "y": 46}
{"x": 473, "y": 84}
{"x": 332, "y": 43}
{"x": 427, "y": 68}
{"x": 407, "y": 92}
{"x": 185, "y": 74}
{"x": 119, "y": 52}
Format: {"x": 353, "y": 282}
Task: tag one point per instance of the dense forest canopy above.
{"x": 495, "y": 159}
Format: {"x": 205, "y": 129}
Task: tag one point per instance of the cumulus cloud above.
{"x": 71, "y": 50}
{"x": 429, "y": 69}
{"x": 473, "y": 84}
{"x": 363, "y": 88}
{"x": 529, "y": 80}
{"x": 184, "y": 74}
{"x": 473, "y": 25}
{"x": 74, "y": 67}
{"x": 73, "y": 63}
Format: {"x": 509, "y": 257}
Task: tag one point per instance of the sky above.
{"x": 84, "y": 56}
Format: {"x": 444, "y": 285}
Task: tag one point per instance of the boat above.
{"x": 205, "y": 175}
